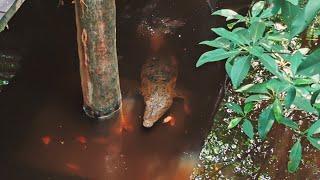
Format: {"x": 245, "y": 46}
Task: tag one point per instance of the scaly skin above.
{"x": 158, "y": 81}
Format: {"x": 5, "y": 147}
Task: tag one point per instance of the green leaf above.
{"x": 232, "y": 36}
{"x": 314, "y": 129}
{"x": 265, "y": 122}
{"x": 248, "y": 108}
{"x": 295, "y": 157}
{"x": 228, "y": 13}
{"x": 311, "y": 65}
{"x": 280, "y": 37}
{"x": 314, "y": 141}
{"x": 235, "y": 107}
{"x": 303, "y": 82}
{"x": 258, "y": 88}
{"x": 228, "y": 65}
{"x": 268, "y": 62}
{"x": 218, "y": 43}
{"x": 257, "y": 98}
{"x": 257, "y": 8}
{"x": 314, "y": 96}
{"x": 303, "y": 103}
{"x": 304, "y": 17}
{"x": 289, "y": 123}
{"x": 277, "y": 85}
{"x": 244, "y": 88}
{"x": 240, "y": 70}
{"x": 289, "y": 12}
{"x": 256, "y": 31}
{"x": 295, "y": 60}
{"x": 294, "y": 2}
{"x": 243, "y": 35}
{"x": 317, "y": 107}
{"x": 277, "y": 110}
{"x": 248, "y": 128}
{"x": 291, "y": 95}
{"x": 267, "y": 13}
{"x": 215, "y": 55}
{"x": 276, "y": 5}
{"x": 234, "y": 122}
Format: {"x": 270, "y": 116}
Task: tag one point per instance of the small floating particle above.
{"x": 72, "y": 166}
{"x": 100, "y": 140}
{"x": 169, "y": 120}
{"x": 81, "y": 139}
{"x": 46, "y": 140}
{"x": 187, "y": 109}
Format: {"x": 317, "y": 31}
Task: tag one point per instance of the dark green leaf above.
{"x": 256, "y": 31}
{"x": 304, "y": 104}
{"x": 268, "y": 62}
{"x": 248, "y": 107}
{"x": 267, "y": 13}
{"x": 295, "y": 60}
{"x": 232, "y": 36}
{"x": 289, "y": 123}
{"x": 257, "y": 98}
{"x": 243, "y": 35}
{"x": 314, "y": 96}
{"x": 240, "y": 70}
{"x": 304, "y": 17}
{"x": 277, "y": 110}
{"x": 265, "y": 122}
{"x": 294, "y": 2}
{"x": 234, "y": 122}
{"x": 277, "y": 85}
{"x": 314, "y": 141}
{"x": 291, "y": 95}
{"x": 218, "y": 43}
{"x": 228, "y": 65}
{"x": 295, "y": 157}
{"x": 257, "y": 8}
{"x": 314, "y": 129}
{"x": 302, "y": 82}
{"x": 248, "y": 128}
{"x": 280, "y": 37}
{"x": 258, "y": 88}
{"x": 311, "y": 65}
{"x": 276, "y": 5}
{"x": 215, "y": 55}
{"x": 235, "y": 107}
{"x": 289, "y": 11}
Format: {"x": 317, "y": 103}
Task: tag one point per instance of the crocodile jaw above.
{"x": 155, "y": 109}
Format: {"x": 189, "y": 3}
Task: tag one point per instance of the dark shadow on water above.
{"x": 44, "y": 134}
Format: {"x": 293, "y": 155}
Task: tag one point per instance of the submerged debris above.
{"x": 9, "y": 65}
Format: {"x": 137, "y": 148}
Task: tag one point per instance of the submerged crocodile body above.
{"x": 158, "y": 83}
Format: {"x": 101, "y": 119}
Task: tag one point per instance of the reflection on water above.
{"x": 44, "y": 134}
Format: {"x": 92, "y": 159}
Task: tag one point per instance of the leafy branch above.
{"x": 269, "y": 36}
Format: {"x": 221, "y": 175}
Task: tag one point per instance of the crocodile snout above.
{"x": 155, "y": 110}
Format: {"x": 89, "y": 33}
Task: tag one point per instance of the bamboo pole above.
{"x": 96, "y": 34}
{"x": 7, "y": 10}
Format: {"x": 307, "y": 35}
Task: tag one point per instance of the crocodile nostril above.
{"x": 147, "y": 124}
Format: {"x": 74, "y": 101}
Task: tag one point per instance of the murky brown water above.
{"x": 44, "y": 134}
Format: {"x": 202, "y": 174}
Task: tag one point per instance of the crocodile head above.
{"x": 156, "y": 106}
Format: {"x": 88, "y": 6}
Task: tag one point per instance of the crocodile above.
{"x": 158, "y": 87}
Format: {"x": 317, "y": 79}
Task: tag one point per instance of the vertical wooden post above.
{"x": 96, "y": 34}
